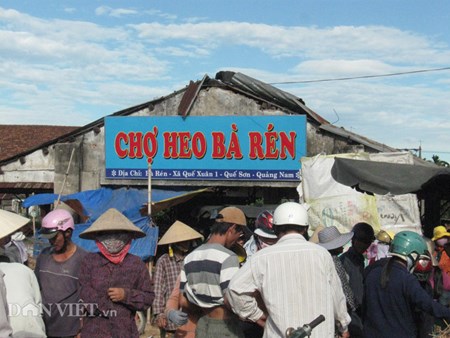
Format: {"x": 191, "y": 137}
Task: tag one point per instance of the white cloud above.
{"x": 114, "y": 12}
{"x": 345, "y": 42}
{"x": 79, "y": 71}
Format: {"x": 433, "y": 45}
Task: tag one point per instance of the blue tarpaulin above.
{"x": 127, "y": 201}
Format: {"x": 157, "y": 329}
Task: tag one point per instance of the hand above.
{"x": 262, "y": 321}
{"x": 161, "y": 320}
{"x": 344, "y": 334}
{"x": 116, "y": 294}
{"x": 179, "y": 318}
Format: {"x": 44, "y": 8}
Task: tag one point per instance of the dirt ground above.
{"x": 150, "y": 332}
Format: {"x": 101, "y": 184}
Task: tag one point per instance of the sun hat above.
{"x": 231, "y": 215}
{"x": 179, "y": 232}
{"x": 111, "y": 220}
{"x": 439, "y": 232}
{"x": 10, "y": 222}
{"x": 330, "y": 238}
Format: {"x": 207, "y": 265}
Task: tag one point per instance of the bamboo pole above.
{"x": 65, "y": 178}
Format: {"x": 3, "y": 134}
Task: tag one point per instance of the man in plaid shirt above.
{"x": 179, "y": 237}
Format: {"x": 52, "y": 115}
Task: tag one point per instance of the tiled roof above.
{"x": 15, "y": 139}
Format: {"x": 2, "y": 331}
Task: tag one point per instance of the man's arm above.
{"x": 5, "y": 327}
{"x": 240, "y": 296}
{"x": 339, "y": 302}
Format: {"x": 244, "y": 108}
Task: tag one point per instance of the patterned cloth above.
{"x": 105, "y": 318}
{"x": 206, "y": 274}
{"x": 297, "y": 281}
{"x": 345, "y": 285}
{"x": 167, "y": 271}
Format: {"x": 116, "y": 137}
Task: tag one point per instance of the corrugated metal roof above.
{"x": 340, "y": 131}
{"x": 270, "y": 93}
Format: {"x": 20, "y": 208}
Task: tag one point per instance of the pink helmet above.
{"x": 56, "y": 220}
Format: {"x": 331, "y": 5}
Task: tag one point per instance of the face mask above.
{"x": 442, "y": 241}
{"x": 411, "y": 261}
{"x": 114, "y": 243}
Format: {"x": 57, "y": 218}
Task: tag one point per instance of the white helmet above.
{"x": 290, "y": 213}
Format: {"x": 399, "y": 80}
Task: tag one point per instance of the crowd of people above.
{"x": 236, "y": 282}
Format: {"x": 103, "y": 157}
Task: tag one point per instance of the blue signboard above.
{"x": 248, "y": 148}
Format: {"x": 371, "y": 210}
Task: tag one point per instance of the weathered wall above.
{"x": 67, "y": 168}
{"x": 320, "y": 142}
{"x": 87, "y": 169}
{"x": 37, "y": 167}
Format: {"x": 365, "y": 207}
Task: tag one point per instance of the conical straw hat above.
{"x": 179, "y": 232}
{"x": 111, "y": 220}
{"x": 10, "y": 222}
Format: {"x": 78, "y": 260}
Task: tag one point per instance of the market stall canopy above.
{"x": 91, "y": 204}
{"x": 382, "y": 177}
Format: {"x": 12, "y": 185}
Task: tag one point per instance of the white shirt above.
{"x": 297, "y": 281}
{"x": 24, "y": 300}
{"x": 5, "y": 327}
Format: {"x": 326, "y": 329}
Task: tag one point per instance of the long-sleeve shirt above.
{"x": 354, "y": 264}
{"x": 5, "y": 328}
{"x": 297, "y": 281}
{"x": 24, "y": 299}
{"x": 166, "y": 272}
{"x": 113, "y": 319}
{"x": 389, "y": 312}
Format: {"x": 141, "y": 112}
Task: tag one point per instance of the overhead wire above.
{"x": 365, "y": 76}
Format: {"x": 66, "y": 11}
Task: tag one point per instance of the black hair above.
{"x": 283, "y": 228}
{"x": 220, "y": 228}
{"x": 335, "y": 252}
{"x": 364, "y": 232}
{"x": 386, "y": 272}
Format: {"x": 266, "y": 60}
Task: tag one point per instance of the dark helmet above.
{"x": 264, "y": 225}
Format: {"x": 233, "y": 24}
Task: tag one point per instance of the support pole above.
{"x": 65, "y": 178}
{"x": 149, "y": 198}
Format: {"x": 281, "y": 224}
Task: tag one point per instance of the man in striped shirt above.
{"x": 206, "y": 273}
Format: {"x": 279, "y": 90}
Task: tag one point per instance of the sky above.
{"x": 73, "y": 62}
